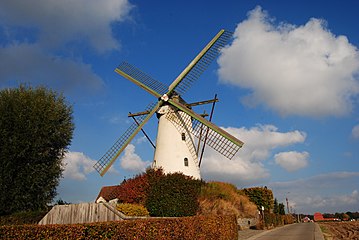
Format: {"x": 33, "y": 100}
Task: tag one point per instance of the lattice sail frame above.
{"x": 142, "y": 79}
{"x": 111, "y": 155}
{"x": 215, "y": 140}
{"x": 202, "y": 64}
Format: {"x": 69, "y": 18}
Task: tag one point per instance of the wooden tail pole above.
{"x": 143, "y": 131}
{"x": 205, "y": 138}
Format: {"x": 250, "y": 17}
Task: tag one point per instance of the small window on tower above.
{"x": 183, "y": 137}
{"x": 186, "y": 162}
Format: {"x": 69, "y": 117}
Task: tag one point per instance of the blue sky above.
{"x": 288, "y": 86}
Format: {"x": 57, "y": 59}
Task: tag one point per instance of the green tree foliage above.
{"x": 275, "y": 206}
{"x": 281, "y": 210}
{"x": 261, "y": 196}
{"x": 36, "y": 126}
{"x": 173, "y": 195}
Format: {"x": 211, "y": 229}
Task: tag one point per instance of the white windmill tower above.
{"x": 178, "y": 124}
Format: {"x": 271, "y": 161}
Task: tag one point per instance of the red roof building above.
{"x": 318, "y": 217}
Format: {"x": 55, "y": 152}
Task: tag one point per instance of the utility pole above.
{"x": 287, "y": 205}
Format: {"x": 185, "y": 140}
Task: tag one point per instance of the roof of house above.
{"x": 318, "y": 216}
{"x": 108, "y": 192}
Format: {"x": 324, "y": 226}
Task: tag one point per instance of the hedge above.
{"x": 173, "y": 195}
{"x": 22, "y": 218}
{"x": 197, "y": 227}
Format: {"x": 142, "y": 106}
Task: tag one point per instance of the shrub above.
{"x": 198, "y": 227}
{"x": 173, "y": 195}
{"x": 133, "y": 190}
{"x": 217, "y": 190}
{"x": 132, "y": 209}
{"x": 22, "y": 218}
{"x": 224, "y": 198}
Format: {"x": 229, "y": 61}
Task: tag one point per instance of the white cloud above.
{"x": 355, "y": 131}
{"x": 131, "y": 161}
{"x": 292, "y": 161}
{"x": 332, "y": 204}
{"x": 315, "y": 194}
{"x": 294, "y": 70}
{"x": 247, "y": 166}
{"x": 60, "y": 22}
{"x": 43, "y": 40}
{"x": 77, "y": 165}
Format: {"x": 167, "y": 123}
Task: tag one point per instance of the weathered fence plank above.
{"x": 79, "y": 213}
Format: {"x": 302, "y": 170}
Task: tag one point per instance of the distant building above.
{"x": 319, "y": 217}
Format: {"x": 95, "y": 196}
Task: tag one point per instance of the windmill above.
{"x": 178, "y": 124}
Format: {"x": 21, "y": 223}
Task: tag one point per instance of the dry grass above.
{"x": 340, "y": 230}
{"x": 223, "y": 198}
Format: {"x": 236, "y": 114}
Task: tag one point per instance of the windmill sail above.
{"x": 141, "y": 79}
{"x": 200, "y": 63}
{"x": 112, "y": 154}
{"x": 218, "y": 139}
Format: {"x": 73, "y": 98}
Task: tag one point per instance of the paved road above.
{"x": 299, "y": 231}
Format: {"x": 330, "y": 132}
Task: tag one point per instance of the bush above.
{"x": 217, "y": 190}
{"x": 22, "y": 218}
{"x": 133, "y": 190}
{"x": 275, "y": 220}
{"x": 198, "y": 227}
{"x": 132, "y": 209}
{"x": 224, "y": 198}
{"x": 173, "y": 195}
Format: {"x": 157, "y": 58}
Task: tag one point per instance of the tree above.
{"x": 261, "y": 196}
{"x": 281, "y": 210}
{"x": 275, "y": 206}
{"x": 36, "y": 127}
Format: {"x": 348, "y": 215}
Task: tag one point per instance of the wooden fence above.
{"x": 82, "y": 213}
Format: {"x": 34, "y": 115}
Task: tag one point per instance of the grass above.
{"x": 326, "y": 233}
{"x": 223, "y": 198}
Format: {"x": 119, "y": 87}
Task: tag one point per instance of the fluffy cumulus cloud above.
{"x": 60, "y": 22}
{"x": 247, "y": 167}
{"x": 40, "y": 40}
{"x": 131, "y": 161}
{"x": 292, "y": 161}
{"x": 294, "y": 70}
{"x": 355, "y": 132}
{"x": 315, "y": 194}
{"x": 77, "y": 165}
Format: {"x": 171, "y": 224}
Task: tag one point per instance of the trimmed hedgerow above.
{"x": 132, "y": 209}
{"x": 173, "y": 195}
{"x": 135, "y": 190}
{"x": 197, "y": 227}
{"x": 22, "y": 218}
